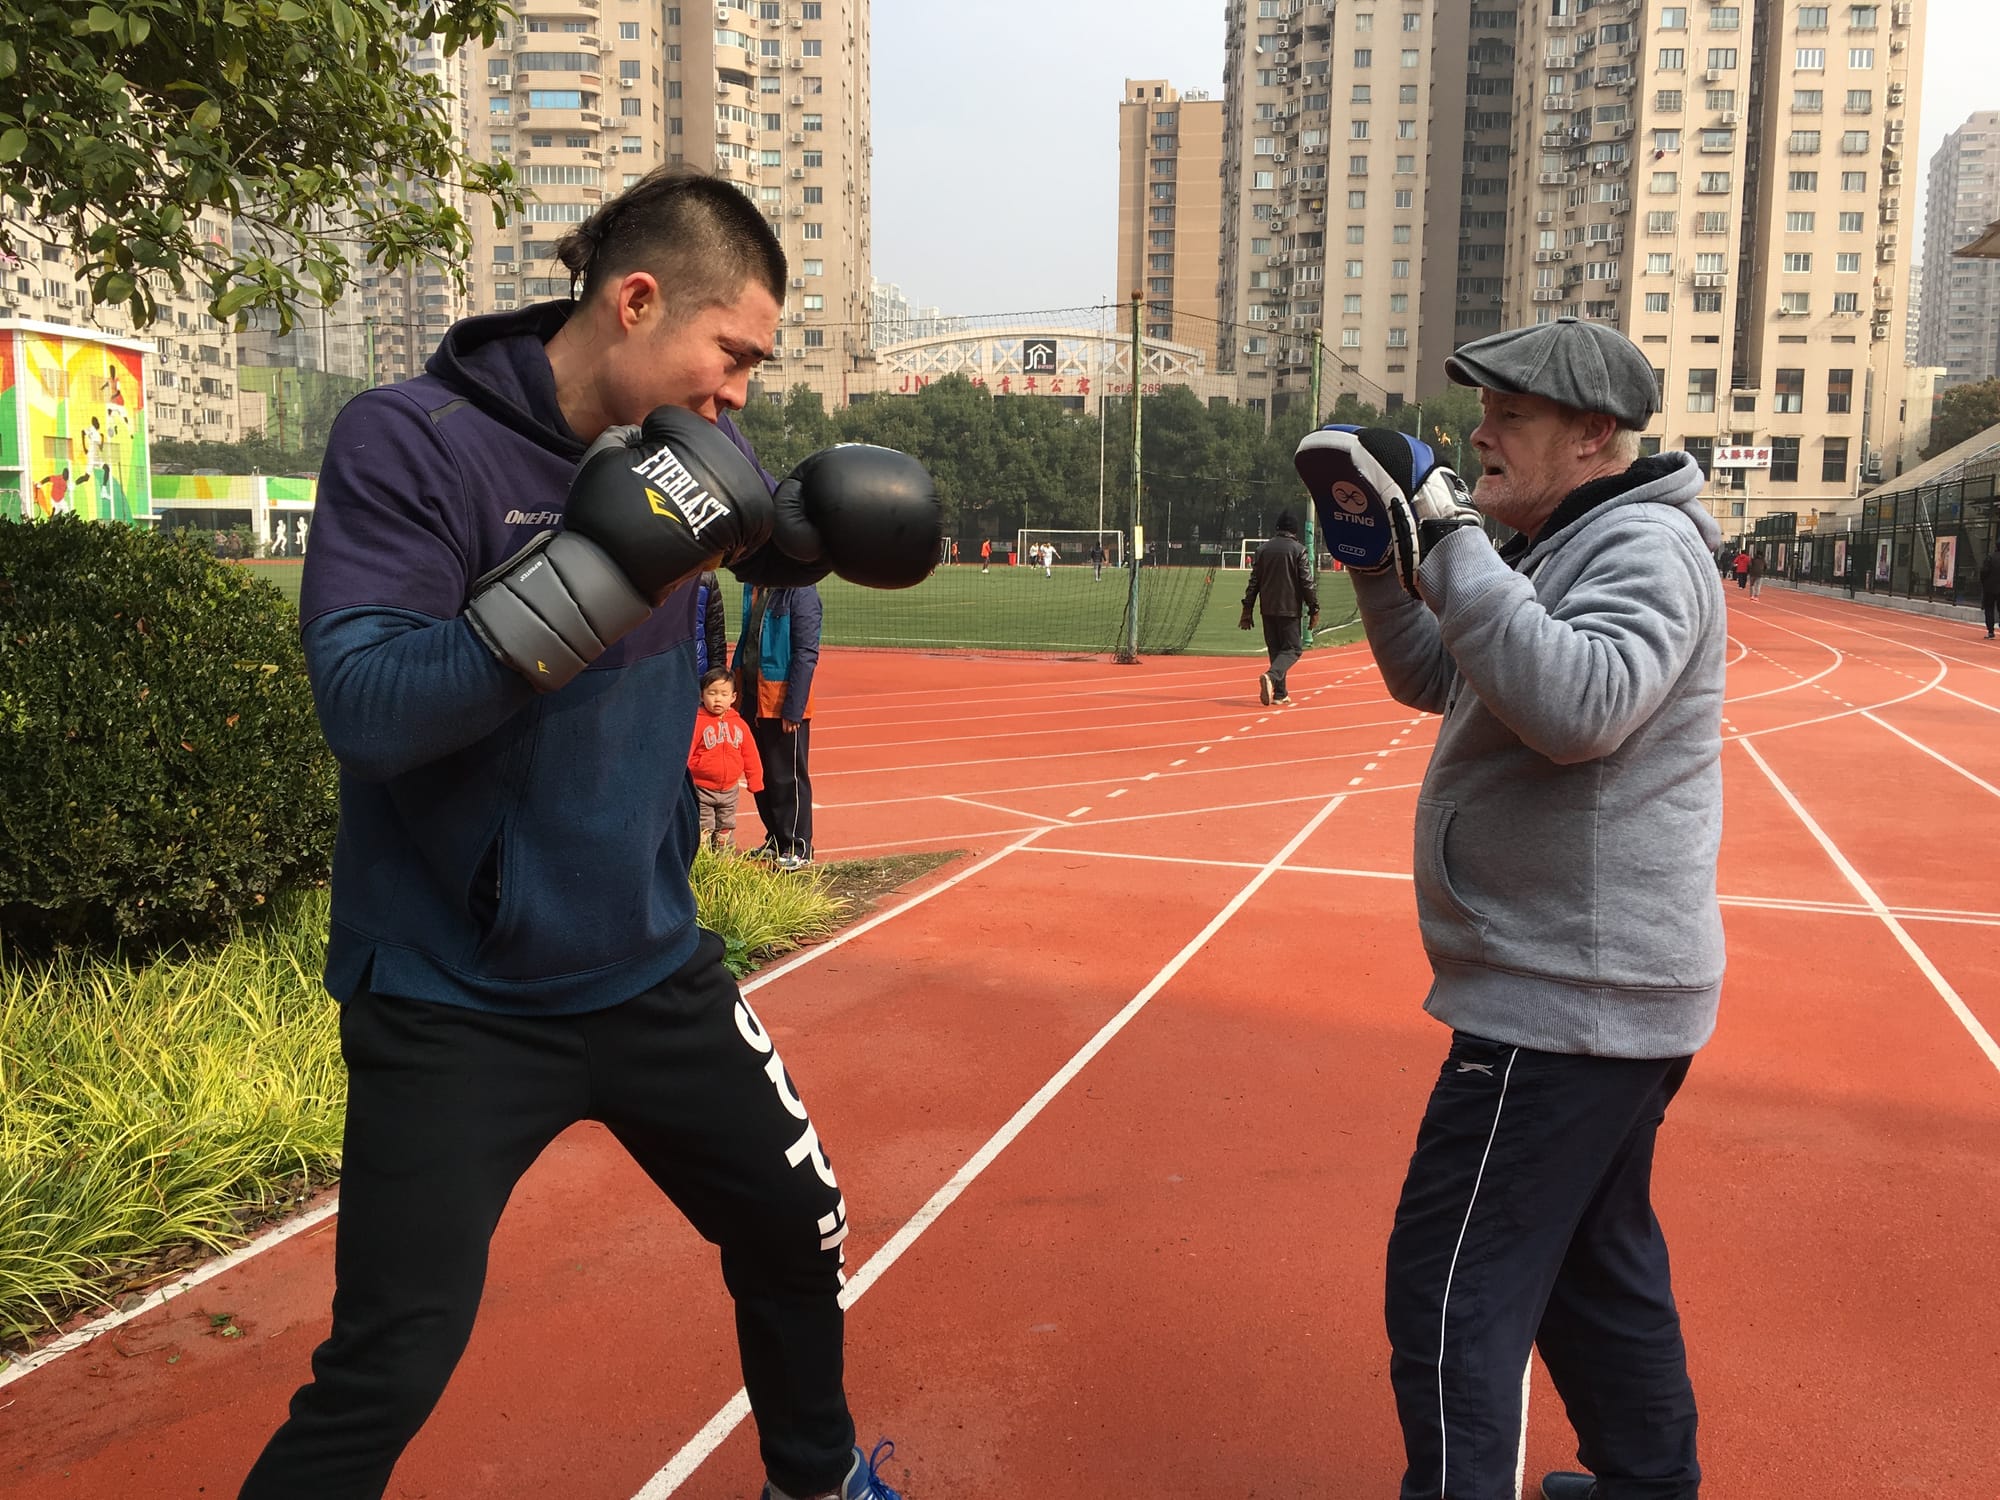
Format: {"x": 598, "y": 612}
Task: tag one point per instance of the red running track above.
{"x": 1121, "y": 1107}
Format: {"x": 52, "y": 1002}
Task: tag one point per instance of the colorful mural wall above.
{"x": 276, "y": 509}
{"x": 72, "y": 425}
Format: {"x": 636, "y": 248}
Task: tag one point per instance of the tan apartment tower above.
{"x": 1170, "y": 213}
{"x": 1726, "y": 184}
{"x": 1959, "y": 328}
{"x": 1326, "y": 194}
{"x": 586, "y": 96}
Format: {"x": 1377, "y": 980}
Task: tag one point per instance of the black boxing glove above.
{"x": 870, "y": 515}
{"x": 650, "y": 507}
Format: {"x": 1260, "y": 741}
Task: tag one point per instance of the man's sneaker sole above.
{"x": 1264, "y": 690}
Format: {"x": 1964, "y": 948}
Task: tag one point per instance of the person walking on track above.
{"x": 1281, "y": 585}
{"x": 1566, "y": 839}
{"x": 1989, "y": 587}
{"x": 499, "y": 626}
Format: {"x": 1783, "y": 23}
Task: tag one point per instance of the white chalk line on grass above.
{"x": 1979, "y": 1034}
{"x": 97, "y": 1327}
{"x": 697, "y": 1449}
{"x": 76, "y": 1339}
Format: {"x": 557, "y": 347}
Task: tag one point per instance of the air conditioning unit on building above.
{"x": 1704, "y": 280}
{"x": 722, "y": 14}
{"x": 798, "y": 282}
{"x": 796, "y": 100}
{"x": 798, "y": 171}
{"x": 1728, "y": 117}
{"x": 795, "y": 62}
{"x": 1279, "y": 157}
{"x": 798, "y": 317}
{"x": 1713, "y": 75}
{"x": 797, "y": 137}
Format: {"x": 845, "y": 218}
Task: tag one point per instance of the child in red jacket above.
{"x": 722, "y": 755}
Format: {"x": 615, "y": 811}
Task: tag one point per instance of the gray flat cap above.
{"x": 1584, "y": 365}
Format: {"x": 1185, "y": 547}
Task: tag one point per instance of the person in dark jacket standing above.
{"x": 1989, "y": 587}
{"x": 775, "y": 662}
{"x": 498, "y": 621}
{"x": 1282, "y": 584}
{"x": 711, "y": 641}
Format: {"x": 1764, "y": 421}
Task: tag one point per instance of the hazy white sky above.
{"x": 996, "y": 133}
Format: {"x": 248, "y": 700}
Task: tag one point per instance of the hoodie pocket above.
{"x": 486, "y": 902}
{"x": 1451, "y": 928}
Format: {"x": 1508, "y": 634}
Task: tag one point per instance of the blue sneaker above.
{"x": 863, "y": 1482}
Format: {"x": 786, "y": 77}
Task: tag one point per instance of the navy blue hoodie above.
{"x": 498, "y": 848}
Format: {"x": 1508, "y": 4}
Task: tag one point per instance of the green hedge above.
{"x": 161, "y": 771}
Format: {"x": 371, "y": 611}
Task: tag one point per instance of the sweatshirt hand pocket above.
{"x": 1436, "y": 895}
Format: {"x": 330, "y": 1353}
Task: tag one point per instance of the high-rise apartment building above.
{"x": 1326, "y": 177}
{"x": 1470, "y": 144}
{"x": 1170, "y": 212}
{"x": 1725, "y": 183}
{"x": 587, "y": 96}
{"x": 1960, "y": 326}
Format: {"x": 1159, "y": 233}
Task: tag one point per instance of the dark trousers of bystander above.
{"x": 1282, "y": 639}
{"x": 448, "y": 1107}
{"x": 785, "y": 804}
{"x": 1526, "y": 1222}
{"x": 1990, "y": 604}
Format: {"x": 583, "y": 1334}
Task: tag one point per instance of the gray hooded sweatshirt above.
{"x": 1567, "y": 829}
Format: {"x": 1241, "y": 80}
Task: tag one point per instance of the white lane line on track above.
{"x": 1150, "y": 776}
{"x": 1797, "y": 905}
{"x": 1991, "y": 708}
{"x": 1079, "y": 813}
{"x": 1978, "y": 781}
{"x": 1318, "y": 731}
{"x": 1979, "y": 1034}
{"x": 1012, "y": 812}
{"x": 697, "y": 1449}
{"x": 1180, "y": 762}
{"x": 77, "y": 1339}
{"x": 1835, "y": 622}
{"x": 1119, "y": 793}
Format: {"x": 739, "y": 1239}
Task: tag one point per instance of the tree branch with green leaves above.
{"x": 121, "y": 121}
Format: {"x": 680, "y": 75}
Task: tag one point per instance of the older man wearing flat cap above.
{"x": 1566, "y": 840}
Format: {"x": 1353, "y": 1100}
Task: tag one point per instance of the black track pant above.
{"x": 1990, "y": 603}
{"x": 448, "y": 1107}
{"x": 786, "y": 803}
{"x": 1282, "y": 639}
{"x": 1526, "y": 1221}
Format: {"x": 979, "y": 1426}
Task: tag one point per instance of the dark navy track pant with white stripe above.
{"x": 1526, "y": 1221}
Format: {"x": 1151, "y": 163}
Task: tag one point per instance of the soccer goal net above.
{"x": 1247, "y": 553}
{"x": 1072, "y": 547}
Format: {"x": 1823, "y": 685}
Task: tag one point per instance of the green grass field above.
{"x": 1017, "y": 609}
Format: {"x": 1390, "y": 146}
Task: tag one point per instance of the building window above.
{"x": 1849, "y": 223}
{"x": 1861, "y": 57}
{"x": 1833, "y": 461}
{"x": 1722, "y": 57}
{"x": 1791, "y": 391}
{"x": 1673, "y": 59}
{"x": 1656, "y": 302}
{"x": 1701, "y": 390}
{"x": 1803, "y": 143}
{"x": 1708, "y": 302}
{"x": 1839, "y": 390}
{"x": 1810, "y": 60}
{"x": 1785, "y": 460}
{"x": 815, "y": 232}
{"x": 1802, "y": 182}
{"x": 1795, "y": 303}
{"x": 1798, "y": 260}
{"x": 815, "y": 338}
{"x": 1673, "y": 18}
{"x": 1847, "y": 302}
{"x": 1812, "y": 17}
{"x": 1364, "y": 57}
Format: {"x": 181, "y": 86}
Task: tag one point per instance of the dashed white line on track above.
{"x": 1079, "y": 812}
